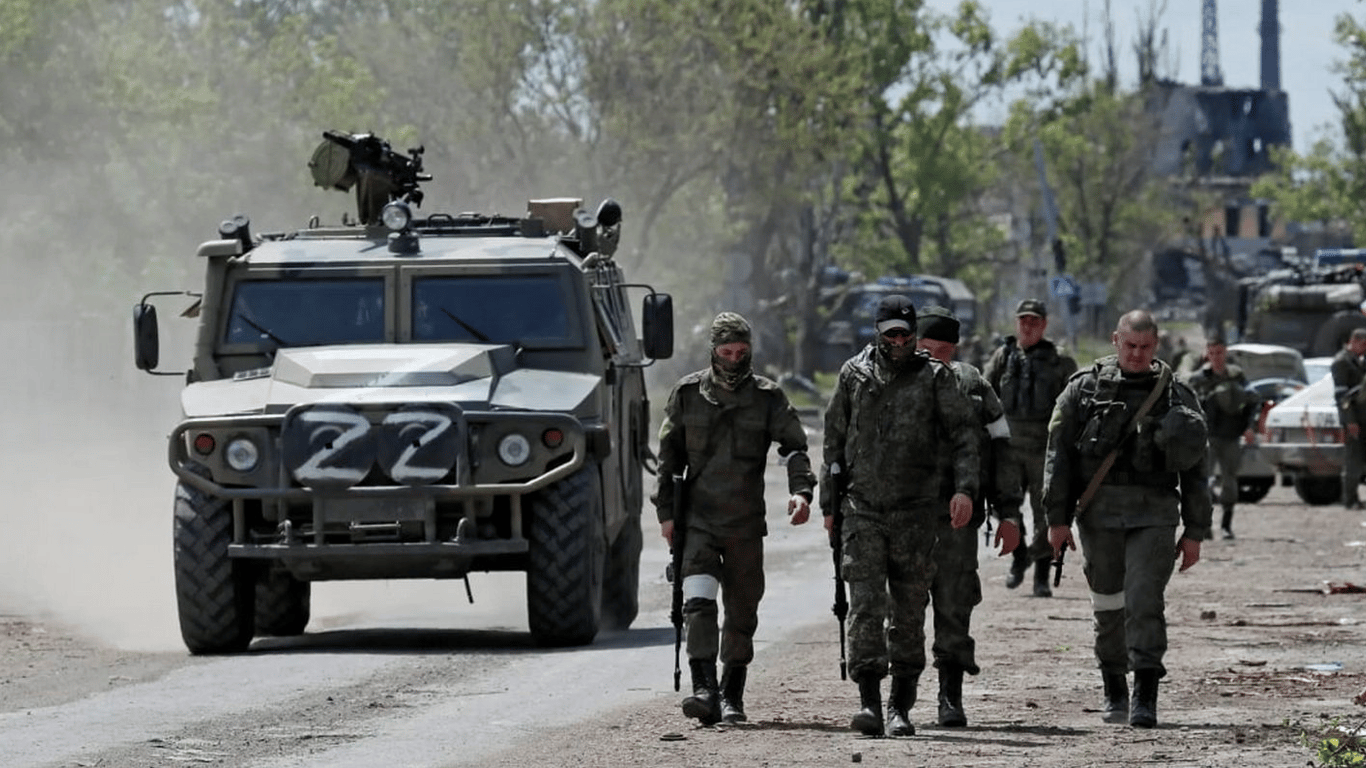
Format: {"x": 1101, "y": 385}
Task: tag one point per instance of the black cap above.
{"x": 895, "y": 311}
{"x": 1031, "y": 307}
{"x": 939, "y": 324}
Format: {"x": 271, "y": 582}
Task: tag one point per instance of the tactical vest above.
{"x": 1031, "y": 381}
{"x": 1226, "y": 403}
{"x": 1170, "y": 438}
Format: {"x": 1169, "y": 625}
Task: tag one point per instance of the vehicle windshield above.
{"x": 528, "y": 310}
{"x": 866, "y": 308}
{"x": 303, "y": 313}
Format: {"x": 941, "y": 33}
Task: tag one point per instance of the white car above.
{"x": 1303, "y": 439}
{"x": 1274, "y": 373}
{"x": 1317, "y": 367}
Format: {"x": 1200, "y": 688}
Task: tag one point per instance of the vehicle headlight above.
{"x": 242, "y": 454}
{"x": 396, "y": 215}
{"x": 514, "y": 450}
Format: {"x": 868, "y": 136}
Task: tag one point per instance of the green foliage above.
{"x": 1327, "y": 185}
{"x": 752, "y": 143}
{"x": 1335, "y": 745}
{"x": 1098, "y": 148}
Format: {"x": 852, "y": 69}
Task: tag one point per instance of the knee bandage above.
{"x": 1113, "y": 602}
{"x": 701, "y": 586}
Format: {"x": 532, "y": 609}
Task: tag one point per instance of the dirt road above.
{"x": 1260, "y": 657}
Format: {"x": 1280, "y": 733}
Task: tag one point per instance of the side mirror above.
{"x": 657, "y": 325}
{"x": 146, "y": 337}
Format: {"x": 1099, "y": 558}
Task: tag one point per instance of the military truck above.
{"x": 848, "y": 325}
{"x": 1312, "y": 307}
{"x": 401, "y": 397}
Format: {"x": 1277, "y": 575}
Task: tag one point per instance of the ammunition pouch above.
{"x": 1104, "y": 428}
{"x": 1182, "y": 436}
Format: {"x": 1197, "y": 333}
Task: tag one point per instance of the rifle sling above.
{"x": 1099, "y": 477}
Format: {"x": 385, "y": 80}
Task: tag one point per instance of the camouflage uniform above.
{"x": 957, "y": 589}
{"x": 1159, "y": 479}
{"x": 1228, "y": 408}
{"x": 1348, "y": 374}
{"x": 721, "y": 438}
{"x": 886, "y": 428}
{"x": 1028, "y": 382}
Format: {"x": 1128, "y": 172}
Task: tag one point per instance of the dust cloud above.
{"x": 86, "y": 542}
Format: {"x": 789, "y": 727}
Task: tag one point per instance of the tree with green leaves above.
{"x": 1326, "y": 186}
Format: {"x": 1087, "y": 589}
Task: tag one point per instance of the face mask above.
{"x": 895, "y": 355}
{"x": 731, "y": 374}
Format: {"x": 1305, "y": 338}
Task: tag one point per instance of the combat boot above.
{"x": 1041, "y": 585}
{"x": 1227, "y": 523}
{"x": 705, "y": 701}
{"x": 951, "y": 713}
{"x": 868, "y": 720}
{"x": 1116, "y": 697}
{"x": 899, "y": 703}
{"x": 1018, "y": 563}
{"x": 733, "y": 695}
{"x": 1143, "y": 710}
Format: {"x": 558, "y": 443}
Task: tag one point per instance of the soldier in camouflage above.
{"x": 718, "y": 425}
{"x": 1157, "y": 479}
{"x": 956, "y": 588}
{"x": 1028, "y": 373}
{"x": 1349, "y": 371}
{"x": 1230, "y": 412}
{"x": 894, "y": 413}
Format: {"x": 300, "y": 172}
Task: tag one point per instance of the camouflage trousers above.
{"x": 1226, "y": 453}
{"x": 1352, "y": 467}
{"x": 888, "y": 562}
{"x": 737, "y": 563}
{"x": 1029, "y": 456}
{"x": 955, "y": 591}
{"x": 1128, "y": 570}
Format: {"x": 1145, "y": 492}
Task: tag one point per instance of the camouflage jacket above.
{"x": 1000, "y": 482}
{"x": 1229, "y": 408}
{"x": 1143, "y": 488}
{"x": 889, "y": 431}
{"x": 1028, "y": 382}
{"x": 1348, "y": 374}
{"x": 720, "y": 440}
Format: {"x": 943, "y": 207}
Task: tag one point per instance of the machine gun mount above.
{"x": 365, "y": 161}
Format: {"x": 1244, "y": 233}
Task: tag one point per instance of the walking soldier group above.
{"x": 918, "y": 451}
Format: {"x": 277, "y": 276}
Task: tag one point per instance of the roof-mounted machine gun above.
{"x": 379, "y": 174}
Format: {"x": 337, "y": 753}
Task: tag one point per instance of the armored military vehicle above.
{"x": 848, "y": 326}
{"x": 1312, "y": 307}
{"x": 402, "y": 397}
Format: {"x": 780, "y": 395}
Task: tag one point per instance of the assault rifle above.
{"x": 676, "y": 571}
{"x": 841, "y": 607}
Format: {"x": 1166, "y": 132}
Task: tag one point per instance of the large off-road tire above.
{"x": 565, "y": 560}
{"x": 1334, "y": 333}
{"x": 283, "y": 603}
{"x": 1318, "y": 490}
{"x": 621, "y": 588}
{"x": 214, "y": 593}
